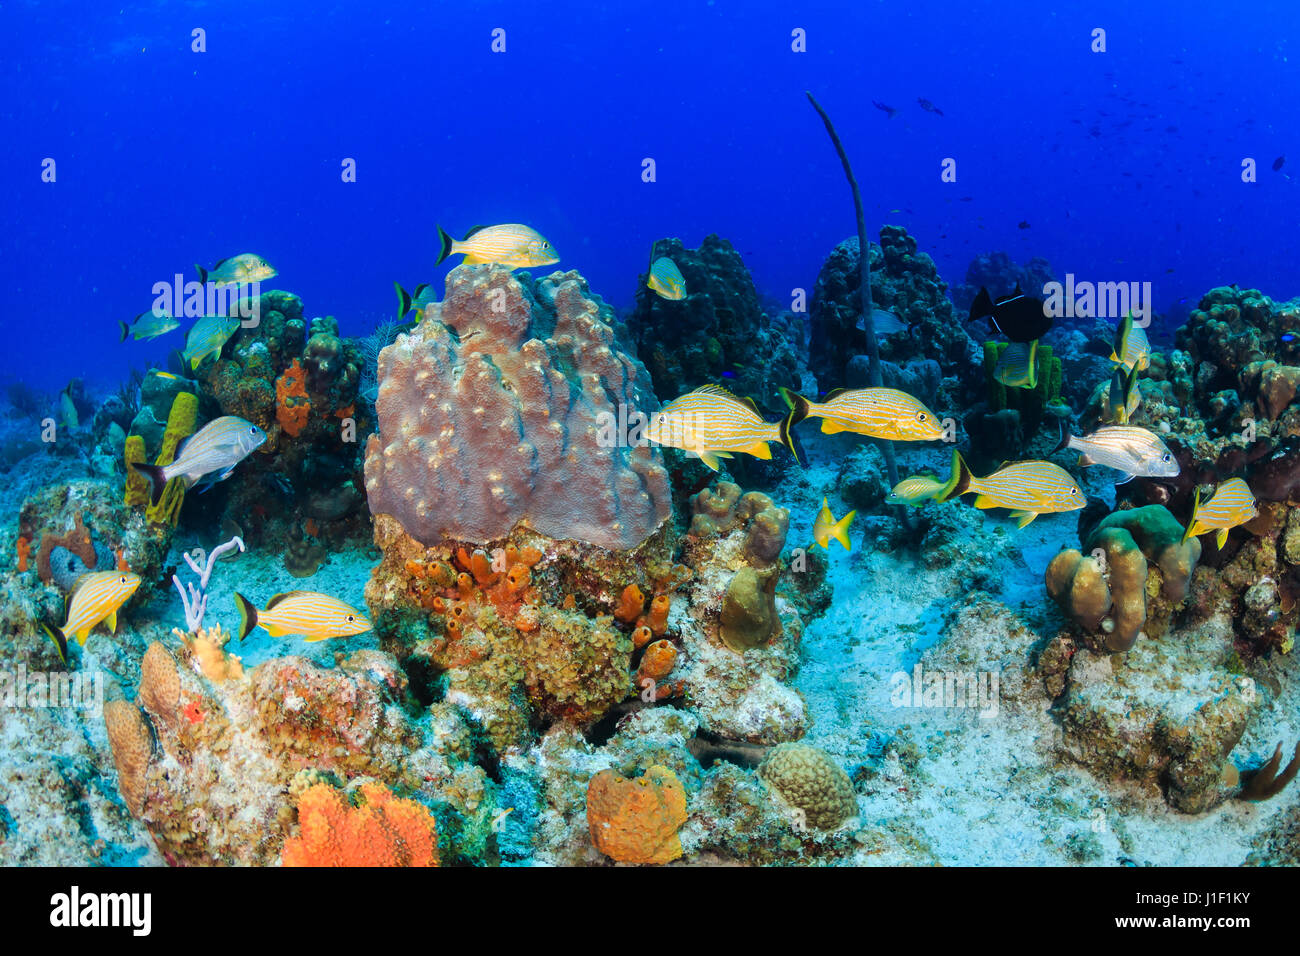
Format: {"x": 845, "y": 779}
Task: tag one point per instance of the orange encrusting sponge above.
{"x": 382, "y": 831}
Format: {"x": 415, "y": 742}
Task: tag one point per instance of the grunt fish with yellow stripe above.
{"x": 1124, "y": 396}
{"x": 96, "y": 597}
{"x": 313, "y": 615}
{"x": 246, "y": 267}
{"x": 417, "y": 300}
{"x": 711, "y": 423}
{"x": 512, "y": 244}
{"x": 1232, "y": 504}
{"x": 215, "y": 449}
{"x": 1028, "y": 488}
{"x": 1132, "y": 348}
{"x": 874, "y": 412}
{"x": 208, "y": 336}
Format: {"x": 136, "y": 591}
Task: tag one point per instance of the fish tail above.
{"x": 126, "y": 330}
{"x": 787, "y": 439}
{"x": 961, "y": 479}
{"x": 203, "y": 274}
{"x": 403, "y": 301}
{"x": 58, "y": 638}
{"x": 799, "y": 406}
{"x": 157, "y": 479}
{"x": 1065, "y": 440}
{"x": 1191, "y": 522}
{"x": 840, "y": 530}
{"x": 445, "y": 242}
{"x": 247, "y": 615}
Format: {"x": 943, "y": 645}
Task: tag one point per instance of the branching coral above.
{"x": 381, "y": 830}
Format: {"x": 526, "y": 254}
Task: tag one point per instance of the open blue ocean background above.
{"x": 1125, "y": 165}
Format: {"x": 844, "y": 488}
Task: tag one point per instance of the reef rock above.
{"x": 503, "y": 407}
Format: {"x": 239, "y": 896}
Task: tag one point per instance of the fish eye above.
{"x": 1165, "y": 457}
{"x": 350, "y": 618}
{"x": 122, "y": 580}
{"x": 921, "y": 417}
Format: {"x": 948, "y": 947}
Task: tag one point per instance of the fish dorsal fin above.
{"x": 220, "y": 263}
{"x": 472, "y": 230}
{"x": 753, "y": 405}
{"x": 1016, "y": 291}
{"x": 77, "y": 583}
{"x": 834, "y": 392}
{"x": 720, "y": 390}
{"x": 281, "y": 598}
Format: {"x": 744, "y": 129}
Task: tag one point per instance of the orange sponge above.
{"x": 636, "y": 821}
{"x": 383, "y": 831}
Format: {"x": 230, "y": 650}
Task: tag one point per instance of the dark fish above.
{"x": 1024, "y": 224}
{"x": 1277, "y": 163}
{"x": 887, "y": 109}
{"x": 928, "y": 106}
{"x": 1018, "y": 316}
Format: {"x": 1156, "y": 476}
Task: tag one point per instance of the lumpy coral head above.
{"x": 636, "y": 821}
{"x": 507, "y": 406}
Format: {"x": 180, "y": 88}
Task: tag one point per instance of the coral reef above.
{"x": 380, "y": 831}
{"x": 997, "y": 272}
{"x": 523, "y": 381}
{"x": 720, "y": 331}
{"x": 1134, "y": 570}
{"x": 811, "y": 784}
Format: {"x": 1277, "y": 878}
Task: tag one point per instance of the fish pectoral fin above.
{"x": 1125, "y": 480}
{"x": 984, "y": 501}
{"x": 1085, "y": 461}
{"x": 1024, "y": 517}
{"x": 111, "y": 621}
{"x": 81, "y": 636}
{"x": 758, "y": 450}
{"x": 1220, "y": 538}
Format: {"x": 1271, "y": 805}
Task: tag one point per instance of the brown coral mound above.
{"x": 132, "y": 743}
{"x": 636, "y": 821}
{"x": 498, "y": 410}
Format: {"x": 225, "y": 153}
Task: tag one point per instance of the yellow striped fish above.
{"x": 918, "y": 489}
{"x": 1124, "y": 396}
{"x": 1028, "y": 488}
{"x": 1132, "y": 348}
{"x": 96, "y": 597}
{"x": 711, "y": 422}
{"x": 1018, "y": 365}
{"x": 1231, "y": 504}
{"x": 512, "y": 245}
{"x": 666, "y": 279}
{"x": 825, "y": 527}
{"x": 875, "y": 412}
{"x": 315, "y": 616}
{"x": 245, "y": 267}
{"x": 207, "y": 337}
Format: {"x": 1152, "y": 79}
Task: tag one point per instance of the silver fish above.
{"x": 1137, "y": 452}
{"x": 246, "y": 267}
{"x": 216, "y": 448}
{"x": 884, "y": 321}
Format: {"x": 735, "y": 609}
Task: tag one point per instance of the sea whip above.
{"x": 864, "y": 289}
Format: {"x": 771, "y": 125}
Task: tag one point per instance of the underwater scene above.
{"x": 716, "y": 433}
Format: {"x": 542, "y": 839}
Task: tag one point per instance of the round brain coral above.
{"x": 636, "y": 821}
{"x": 808, "y": 779}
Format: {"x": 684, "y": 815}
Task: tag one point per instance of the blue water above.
{"x": 1125, "y": 164}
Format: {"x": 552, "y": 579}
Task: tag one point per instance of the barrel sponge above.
{"x": 503, "y": 407}
{"x": 808, "y": 779}
{"x": 749, "y": 617}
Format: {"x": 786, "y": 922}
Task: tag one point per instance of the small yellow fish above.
{"x": 512, "y": 244}
{"x": 148, "y": 325}
{"x": 1132, "y": 348}
{"x": 918, "y": 489}
{"x": 96, "y": 597}
{"x": 315, "y": 616}
{"x": 875, "y": 412}
{"x": 666, "y": 279}
{"x": 711, "y": 423}
{"x": 1018, "y": 365}
{"x": 826, "y": 527}
{"x": 1028, "y": 488}
{"x": 208, "y": 336}
{"x": 1231, "y": 504}
{"x": 245, "y": 267}
{"x": 406, "y": 301}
